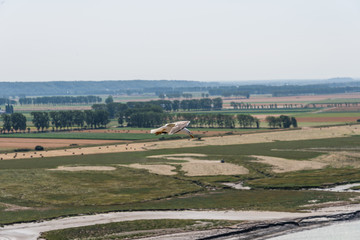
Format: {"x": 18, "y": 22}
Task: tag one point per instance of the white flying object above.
{"x": 172, "y": 128}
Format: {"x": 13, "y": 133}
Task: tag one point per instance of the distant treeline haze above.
{"x": 171, "y": 89}
{"x": 60, "y": 100}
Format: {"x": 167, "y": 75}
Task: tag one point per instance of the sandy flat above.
{"x": 286, "y": 165}
{"x": 196, "y": 167}
{"x": 191, "y": 166}
{"x": 83, "y": 168}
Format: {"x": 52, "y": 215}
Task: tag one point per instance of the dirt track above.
{"x": 31, "y": 231}
{"x": 302, "y": 134}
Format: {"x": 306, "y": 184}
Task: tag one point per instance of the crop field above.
{"x": 49, "y": 187}
{"x": 27, "y": 144}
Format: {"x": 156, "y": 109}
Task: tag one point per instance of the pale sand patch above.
{"x": 12, "y": 207}
{"x": 212, "y": 169}
{"x": 196, "y": 167}
{"x": 83, "y": 168}
{"x": 157, "y": 169}
{"x": 341, "y": 159}
{"x": 281, "y": 165}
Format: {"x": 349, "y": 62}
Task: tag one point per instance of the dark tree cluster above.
{"x": 192, "y": 104}
{"x": 60, "y": 100}
{"x": 9, "y": 109}
{"x": 62, "y": 120}
{"x": 282, "y": 121}
{"x": 135, "y": 114}
{"x": 13, "y": 122}
{"x": 212, "y": 120}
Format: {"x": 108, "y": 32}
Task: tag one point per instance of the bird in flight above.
{"x": 172, "y": 128}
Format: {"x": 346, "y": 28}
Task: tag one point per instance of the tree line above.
{"x": 14, "y": 121}
{"x": 60, "y": 100}
{"x": 61, "y": 120}
{"x": 58, "y": 120}
{"x": 212, "y": 120}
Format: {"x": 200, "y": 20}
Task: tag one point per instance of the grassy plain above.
{"x": 38, "y": 193}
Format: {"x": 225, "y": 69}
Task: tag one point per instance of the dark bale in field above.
{"x": 39, "y": 148}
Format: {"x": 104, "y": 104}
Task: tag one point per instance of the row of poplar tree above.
{"x": 59, "y": 120}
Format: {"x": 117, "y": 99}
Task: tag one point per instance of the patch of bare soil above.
{"x": 160, "y": 169}
{"x": 285, "y": 165}
{"x": 83, "y": 168}
{"x": 196, "y": 167}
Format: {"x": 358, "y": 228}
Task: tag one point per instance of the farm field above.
{"x": 326, "y": 98}
{"x": 10, "y": 144}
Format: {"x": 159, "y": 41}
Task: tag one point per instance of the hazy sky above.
{"x": 206, "y": 40}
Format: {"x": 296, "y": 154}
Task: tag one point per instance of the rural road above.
{"x": 31, "y": 231}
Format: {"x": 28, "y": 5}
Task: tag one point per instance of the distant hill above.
{"x": 275, "y": 87}
{"x": 94, "y": 87}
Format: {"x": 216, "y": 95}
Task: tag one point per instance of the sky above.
{"x": 202, "y": 40}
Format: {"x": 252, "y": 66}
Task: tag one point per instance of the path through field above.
{"x": 31, "y": 231}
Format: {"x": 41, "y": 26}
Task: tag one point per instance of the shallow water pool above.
{"x": 343, "y": 231}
